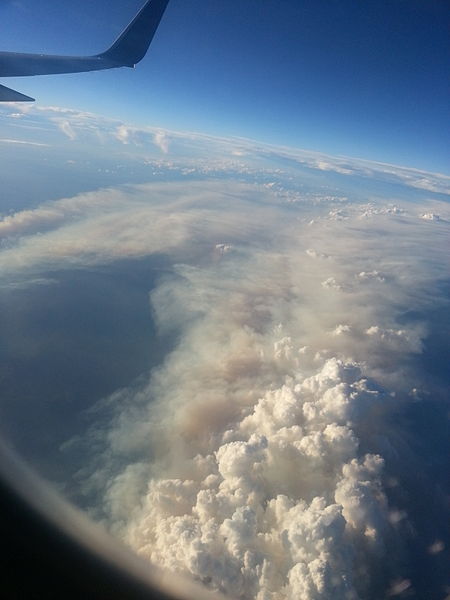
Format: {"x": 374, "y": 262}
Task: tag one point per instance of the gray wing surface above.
{"x": 9, "y": 95}
{"x": 129, "y": 48}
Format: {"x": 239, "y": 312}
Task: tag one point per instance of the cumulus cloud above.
{"x": 161, "y": 140}
{"x": 331, "y": 283}
{"x": 67, "y": 129}
{"x": 123, "y": 134}
{"x": 340, "y": 329}
{"x": 314, "y": 254}
{"x": 430, "y": 217}
{"x": 371, "y": 275}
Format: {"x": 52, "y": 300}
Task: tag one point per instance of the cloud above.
{"x": 437, "y": 547}
{"x": 109, "y": 225}
{"x": 89, "y": 128}
{"x": 123, "y": 134}
{"x": 371, "y": 275}
{"x": 21, "y": 142}
{"x": 331, "y": 284}
{"x": 67, "y": 129}
{"x": 52, "y": 215}
{"x": 256, "y": 483}
{"x": 430, "y": 217}
{"x": 326, "y": 166}
{"x": 255, "y": 459}
{"x": 399, "y": 587}
{"x": 432, "y": 182}
{"x": 161, "y": 140}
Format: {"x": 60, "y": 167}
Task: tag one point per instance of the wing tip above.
{"x": 132, "y": 44}
{"x": 10, "y": 95}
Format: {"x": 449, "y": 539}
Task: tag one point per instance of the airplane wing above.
{"x": 129, "y": 48}
{"x": 9, "y": 95}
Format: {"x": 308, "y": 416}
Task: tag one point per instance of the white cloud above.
{"x": 123, "y": 134}
{"x": 66, "y": 128}
{"x": 430, "y": 217}
{"x": 326, "y": 166}
{"x": 340, "y": 329}
{"x": 21, "y": 142}
{"x": 331, "y": 284}
{"x": 371, "y": 275}
{"x": 314, "y": 254}
{"x": 397, "y": 338}
{"x": 76, "y": 124}
{"x": 161, "y": 140}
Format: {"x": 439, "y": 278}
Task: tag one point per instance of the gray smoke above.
{"x": 256, "y": 458}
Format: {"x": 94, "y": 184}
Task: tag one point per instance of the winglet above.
{"x": 9, "y": 95}
{"x": 132, "y": 45}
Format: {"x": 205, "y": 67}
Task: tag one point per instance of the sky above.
{"x": 353, "y": 78}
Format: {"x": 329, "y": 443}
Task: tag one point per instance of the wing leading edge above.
{"x": 129, "y": 48}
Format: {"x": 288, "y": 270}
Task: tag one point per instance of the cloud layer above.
{"x": 71, "y": 130}
{"x": 259, "y": 458}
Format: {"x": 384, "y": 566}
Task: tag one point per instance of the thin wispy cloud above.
{"x": 22, "y": 142}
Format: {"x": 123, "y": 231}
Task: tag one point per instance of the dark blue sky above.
{"x": 361, "y": 78}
